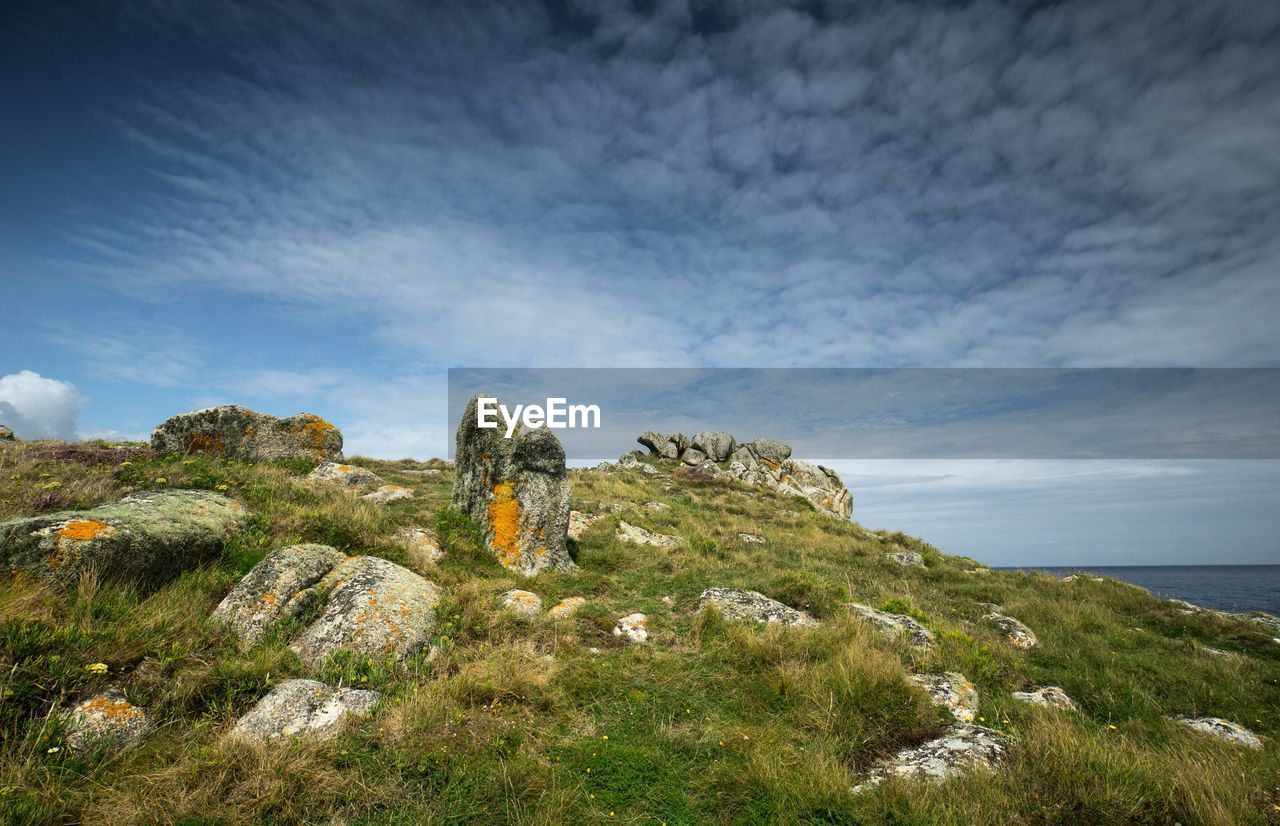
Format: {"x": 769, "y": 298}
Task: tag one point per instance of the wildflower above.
{"x": 222, "y": 487}
{"x": 54, "y": 750}
{"x": 588, "y": 770}
{"x": 982, "y": 719}
{"x": 97, "y": 668}
{"x": 721, "y": 742}
{"x": 1111, "y": 727}
{"x": 606, "y": 737}
{"x": 160, "y": 480}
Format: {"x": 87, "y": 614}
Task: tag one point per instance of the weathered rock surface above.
{"x": 906, "y": 558}
{"x": 1050, "y": 696}
{"x": 521, "y": 603}
{"x": 422, "y": 545}
{"x": 148, "y": 538}
{"x": 1267, "y": 621}
{"x": 388, "y": 493}
{"x": 820, "y": 485}
{"x": 894, "y": 626}
{"x": 6, "y": 434}
{"x": 517, "y": 491}
{"x": 640, "y": 536}
{"x": 233, "y": 432}
{"x": 951, "y": 691}
{"x": 655, "y": 442}
{"x": 635, "y": 627}
{"x": 962, "y": 748}
{"x": 106, "y": 720}
{"x": 566, "y": 607}
{"x": 752, "y": 606}
{"x": 716, "y": 444}
{"x": 580, "y": 523}
{"x": 349, "y": 475}
{"x": 1223, "y": 730}
{"x": 303, "y": 708}
{"x": 277, "y": 588}
{"x": 373, "y": 607}
{"x": 751, "y": 539}
{"x": 1014, "y": 631}
{"x": 693, "y": 456}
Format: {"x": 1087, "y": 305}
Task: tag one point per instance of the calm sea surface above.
{"x": 1225, "y": 587}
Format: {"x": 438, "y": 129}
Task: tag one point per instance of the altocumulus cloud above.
{"x": 37, "y": 407}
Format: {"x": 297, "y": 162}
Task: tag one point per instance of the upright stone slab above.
{"x": 234, "y": 432}
{"x": 146, "y": 538}
{"x": 517, "y": 491}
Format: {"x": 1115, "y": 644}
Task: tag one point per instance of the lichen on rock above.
{"x": 1222, "y": 729}
{"x": 521, "y": 603}
{"x": 963, "y": 747}
{"x": 347, "y": 475}
{"x": 634, "y": 627}
{"x": 752, "y": 606}
{"x": 388, "y": 493}
{"x": 279, "y": 587}
{"x": 303, "y": 708}
{"x": 894, "y": 626}
{"x": 642, "y": 536}
{"x": 234, "y": 432}
{"x": 107, "y": 719}
{"x": 952, "y": 691}
{"x": 1050, "y": 696}
{"x": 1014, "y": 631}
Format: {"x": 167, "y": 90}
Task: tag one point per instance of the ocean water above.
{"x": 1225, "y": 587}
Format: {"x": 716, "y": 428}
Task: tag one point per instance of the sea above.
{"x": 1225, "y": 587}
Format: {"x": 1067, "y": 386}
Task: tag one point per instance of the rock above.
{"x": 770, "y": 451}
{"x": 1076, "y": 577}
{"x": 422, "y": 545}
{"x": 348, "y": 475}
{"x": 633, "y": 626}
{"x": 745, "y": 457}
{"x": 429, "y": 471}
{"x": 640, "y": 536}
{"x": 517, "y": 491}
{"x": 906, "y": 558}
{"x": 374, "y": 607}
{"x": 1050, "y": 696}
{"x": 978, "y": 571}
{"x": 580, "y": 523}
{"x": 522, "y": 603}
{"x": 1222, "y": 729}
{"x": 657, "y": 507}
{"x": 655, "y": 442}
{"x": 693, "y": 456}
{"x": 388, "y": 493}
{"x": 6, "y": 434}
{"x": 147, "y": 538}
{"x": 630, "y": 459}
{"x": 233, "y": 432}
{"x": 303, "y": 708}
{"x": 105, "y": 720}
{"x": 1267, "y": 621}
{"x": 278, "y": 588}
{"x": 566, "y": 607}
{"x": 1017, "y": 633}
{"x": 751, "y": 539}
{"x": 820, "y": 485}
{"x": 716, "y": 444}
{"x": 964, "y": 746}
{"x": 951, "y": 691}
{"x": 677, "y": 444}
{"x": 894, "y": 625}
{"x": 752, "y": 606}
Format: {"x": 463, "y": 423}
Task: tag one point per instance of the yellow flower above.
{"x": 222, "y": 487}
{"x": 97, "y": 668}
{"x": 1111, "y": 727}
{"x": 588, "y": 770}
{"x": 160, "y": 480}
{"x": 606, "y": 737}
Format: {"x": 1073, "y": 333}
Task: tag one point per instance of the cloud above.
{"x": 39, "y": 408}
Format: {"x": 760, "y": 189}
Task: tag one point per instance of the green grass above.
{"x": 711, "y": 722}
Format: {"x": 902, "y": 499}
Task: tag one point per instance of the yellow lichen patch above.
{"x": 111, "y": 709}
{"x": 82, "y": 530}
{"x": 317, "y": 430}
{"x": 205, "y": 443}
{"x": 769, "y": 463}
{"x": 504, "y": 520}
{"x": 344, "y": 468}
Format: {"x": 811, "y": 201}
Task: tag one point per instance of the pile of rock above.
{"x": 762, "y": 462}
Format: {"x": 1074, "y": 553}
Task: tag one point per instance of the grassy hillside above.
{"x": 559, "y": 722}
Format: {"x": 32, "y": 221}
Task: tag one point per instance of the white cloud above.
{"x": 39, "y": 408}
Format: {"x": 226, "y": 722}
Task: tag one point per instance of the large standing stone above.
{"x": 147, "y": 538}
{"x": 517, "y": 491}
{"x": 716, "y": 444}
{"x": 278, "y": 588}
{"x": 374, "y": 607}
{"x": 234, "y": 432}
{"x": 303, "y": 708}
{"x": 752, "y": 606}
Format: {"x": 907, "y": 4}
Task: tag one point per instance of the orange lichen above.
{"x": 504, "y": 521}
{"x": 317, "y": 431}
{"x": 82, "y": 530}
{"x": 769, "y": 463}
{"x": 111, "y": 709}
{"x": 344, "y": 468}
{"x": 205, "y": 443}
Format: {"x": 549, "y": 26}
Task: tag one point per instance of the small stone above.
{"x": 952, "y": 691}
{"x": 908, "y": 559}
{"x": 522, "y": 603}
{"x": 1222, "y": 729}
{"x": 633, "y": 626}
{"x": 303, "y": 708}
{"x": 894, "y": 626}
{"x": 566, "y": 607}
{"x": 346, "y": 475}
{"x": 388, "y": 493}
{"x": 640, "y": 536}
{"x": 656, "y": 506}
{"x": 1014, "y": 631}
{"x": 580, "y": 523}
{"x": 963, "y": 747}
{"x": 422, "y": 545}
{"x": 1050, "y": 696}
{"x": 751, "y": 538}
{"x": 752, "y": 606}
{"x": 107, "y": 719}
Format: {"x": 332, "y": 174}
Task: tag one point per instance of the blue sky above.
{"x": 325, "y": 206}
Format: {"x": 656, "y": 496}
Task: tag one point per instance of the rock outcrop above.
{"x": 107, "y": 720}
{"x": 635, "y": 627}
{"x": 963, "y": 747}
{"x": 643, "y": 536}
{"x": 580, "y": 523}
{"x": 894, "y": 626}
{"x": 906, "y": 559}
{"x": 752, "y": 606}
{"x": 1223, "y": 730}
{"x": 1050, "y": 696}
{"x": 951, "y": 691}
{"x": 303, "y": 708}
{"x": 422, "y": 545}
{"x": 566, "y": 607}
{"x": 147, "y": 538}
{"x": 352, "y": 476}
{"x": 388, "y": 493}
{"x": 234, "y": 432}
{"x": 6, "y": 434}
{"x": 517, "y": 491}
{"x": 525, "y": 604}
{"x": 278, "y": 588}
{"x": 762, "y": 462}
{"x": 1014, "y": 631}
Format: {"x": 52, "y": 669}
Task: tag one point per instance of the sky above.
{"x": 325, "y": 205}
